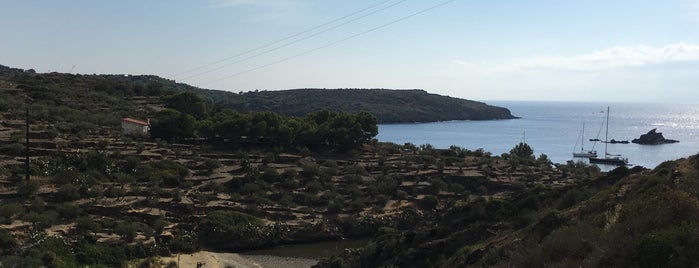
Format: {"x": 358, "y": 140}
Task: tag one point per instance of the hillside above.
{"x": 212, "y": 179}
{"x": 389, "y": 106}
{"x": 97, "y": 196}
{"x": 625, "y": 218}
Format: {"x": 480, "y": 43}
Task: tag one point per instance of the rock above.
{"x": 653, "y": 138}
{"x": 613, "y": 141}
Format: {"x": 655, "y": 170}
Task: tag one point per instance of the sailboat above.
{"x": 583, "y": 153}
{"x": 609, "y": 159}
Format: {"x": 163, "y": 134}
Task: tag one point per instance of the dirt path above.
{"x": 233, "y": 260}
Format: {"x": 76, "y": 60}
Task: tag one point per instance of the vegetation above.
{"x": 213, "y": 178}
{"x": 625, "y": 218}
{"x": 389, "y": 106}
{"x": 320, "y": 129}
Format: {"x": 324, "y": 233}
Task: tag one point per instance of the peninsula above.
{"x": 388, "y": 105}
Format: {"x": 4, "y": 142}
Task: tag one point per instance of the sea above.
{"x": 554, "y": 129}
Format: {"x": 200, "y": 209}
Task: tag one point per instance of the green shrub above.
{"x": 127, "y": 230}
{"x": 42, "y": 220}
{"x": 37, "y": 204}
{"x": 27, "y": 188}
{"x": 225, "y": 229}
{"x": 67, "y": 192}
{"x": 86, "y": 223}
{"x": 7, "y": 241}
{"x": 8, "y": 211}
{"x": 68, "y": 210}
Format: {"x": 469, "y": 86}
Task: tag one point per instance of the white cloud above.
{"x": 615, "y": 57}
{"x": 607, "y": 59}
{"x": 622, "y": 73}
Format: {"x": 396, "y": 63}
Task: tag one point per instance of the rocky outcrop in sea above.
{"x": 653, "y": 138}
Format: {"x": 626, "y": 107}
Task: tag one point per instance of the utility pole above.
{"x": 26, "y": 163}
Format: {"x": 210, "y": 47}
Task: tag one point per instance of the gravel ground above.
{"x": 276, "y": 261}
{"x": 234, "y": 260}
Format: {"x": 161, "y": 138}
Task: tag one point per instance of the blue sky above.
{"x": 606, "y": 51}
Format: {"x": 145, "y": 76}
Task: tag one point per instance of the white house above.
{"x": 133, "y": 126}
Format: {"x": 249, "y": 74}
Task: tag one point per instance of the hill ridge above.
{"x": 388, "y": 105}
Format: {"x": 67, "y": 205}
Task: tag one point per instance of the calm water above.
{"x": 553, "y": 128}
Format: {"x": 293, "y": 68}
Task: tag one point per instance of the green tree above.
{"x": 170, "y": 124}
{"x": 188, "y": 103}
{"x": 522, "y": 151}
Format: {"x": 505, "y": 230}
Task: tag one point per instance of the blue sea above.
{"x": 554, "y": 128}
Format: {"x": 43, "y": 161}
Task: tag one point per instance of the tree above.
{"x": 170, "y": 124}
{"x": 369, "y": 125}
{"x": 522, "y": 151}
{"x": 188, "y": 103}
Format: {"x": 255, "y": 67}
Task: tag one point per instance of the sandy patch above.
{"x": 233, "y": 260}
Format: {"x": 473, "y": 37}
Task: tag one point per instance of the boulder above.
{"x": 653, "y": 138}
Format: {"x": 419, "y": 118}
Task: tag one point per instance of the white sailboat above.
{"x": 609, "y": 159}
{"x": 583, "y": 153}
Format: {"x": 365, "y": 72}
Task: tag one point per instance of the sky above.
{"x": 545, "y": 50}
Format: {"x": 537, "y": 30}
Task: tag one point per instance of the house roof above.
{"x": 138, "y": 122}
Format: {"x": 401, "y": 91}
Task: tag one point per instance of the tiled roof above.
{"x": 131, "y": 120}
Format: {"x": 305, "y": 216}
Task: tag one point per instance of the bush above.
{"x": 570, "y": 198}
{"x": 270, "y": 174}
{"x": 42, "y": 220}
{"x": 86, "y": 223}
{"x": 67, "y": 192}
{"x": 227, "y": 229}
{"x": 7, "y": 241}
{"x": 127, "y": 230}
{"x": 8, "y": 211}
{"x": 168, "y": 172}
{"x": 15, "y": 149}
{"x": 210, "y": 165}
{"x": 216, "y": 187}
{"x": 429, "y": 202}
{"x": 68, "y": 210}
{"x": 27, "y": 188}
{"x": 37, "y": 204}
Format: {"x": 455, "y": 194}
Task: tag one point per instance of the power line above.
{"x": 295, "y": 41}
{"x": 280, "y": 40}
{"x": 333, "y": 43}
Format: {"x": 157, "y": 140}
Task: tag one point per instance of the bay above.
{"x": 553, "y": 128}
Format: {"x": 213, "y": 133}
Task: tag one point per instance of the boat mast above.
{"x": 582, "y": 139}
{"x": 606, "y": 134}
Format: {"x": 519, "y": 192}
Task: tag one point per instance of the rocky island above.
{"x": 653, "y": 138}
